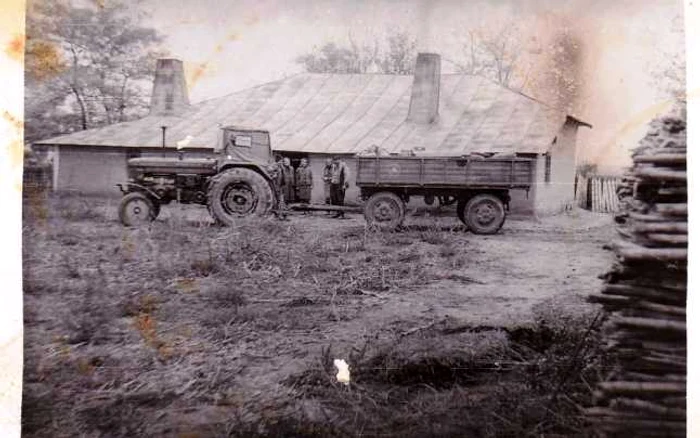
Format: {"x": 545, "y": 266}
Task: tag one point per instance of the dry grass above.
{"x": 182, "y": 328}
{"x": 480, "y": 381}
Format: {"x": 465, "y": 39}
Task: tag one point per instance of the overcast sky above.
{"x": 229, "y": 46}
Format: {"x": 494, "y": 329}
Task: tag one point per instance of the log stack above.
{"x": 645, "y": 293}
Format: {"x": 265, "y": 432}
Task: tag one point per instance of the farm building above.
{"x": 319, "y": 115}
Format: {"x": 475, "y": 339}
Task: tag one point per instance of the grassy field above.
{"x": 190, "y": 330}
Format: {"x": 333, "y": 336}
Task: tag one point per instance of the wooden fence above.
{"x": 597, "y": 193}
{"x": 37, "y": 176}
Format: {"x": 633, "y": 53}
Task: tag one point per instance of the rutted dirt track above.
{"x": 185, "y": 328}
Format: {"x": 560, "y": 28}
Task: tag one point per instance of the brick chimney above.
{"x": 425, "y": 95}
{"x": 169, "y": 95}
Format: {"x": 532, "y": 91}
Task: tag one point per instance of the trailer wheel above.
{"x": 385, "y": 210}
{"x": 237, "y": 193}
{"x": 484, "y": 214}
{"x": 136, "y": 209}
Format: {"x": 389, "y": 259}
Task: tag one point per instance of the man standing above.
{"x": 304, "y": 182}
{"x": 339, "y": 182}
{"x": 327, "y": 172}
{"x": 288, "y": 176}
{"x": 278, "y": 179}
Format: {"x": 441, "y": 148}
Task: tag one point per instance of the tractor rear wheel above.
{"x": 484, "y": 214}
{"x": 385, "y": 210}
{"x": 136, "y": 209}
{"x": 238, "y": 192}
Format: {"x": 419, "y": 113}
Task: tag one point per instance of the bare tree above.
{"x": 399, "y": 57}
{"x": 506, "y": 54}
{"x": 394, "y": 56}
{"x": 331, "y": 58}
{"x": 491, "y": 53}
{"x": 494, "y": 53}
{"x": 668, "y": 70}
{"x": 502, "y": 50}
{"x": 94, "y": 61}
{"x": 471, "y": 59}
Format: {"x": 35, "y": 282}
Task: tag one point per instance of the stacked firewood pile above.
{"x": 645, "y": 293}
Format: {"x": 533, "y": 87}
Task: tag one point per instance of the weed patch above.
{"x": 493, "y": 383}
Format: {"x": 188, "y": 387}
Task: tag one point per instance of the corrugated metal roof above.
{"x": 338, "y": 113}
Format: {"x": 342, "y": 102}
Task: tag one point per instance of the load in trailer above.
{"x": 480, "y": 186}
{"x": 236, "y": 181}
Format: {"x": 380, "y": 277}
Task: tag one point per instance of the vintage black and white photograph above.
{"x": 354, "y": 218}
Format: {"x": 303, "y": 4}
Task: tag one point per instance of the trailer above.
{"x": 480, "y": 186}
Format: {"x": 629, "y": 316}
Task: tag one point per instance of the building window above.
{"x": 548, "y": 167}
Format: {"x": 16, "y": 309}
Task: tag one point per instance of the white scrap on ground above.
{"x": 343, "y": 375}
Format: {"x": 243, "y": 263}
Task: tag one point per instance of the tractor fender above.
{"x": 262, "y": 170}
{"x": 133, "y": 187}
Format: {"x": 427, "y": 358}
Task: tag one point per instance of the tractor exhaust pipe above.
{"x": 163, "y": 128}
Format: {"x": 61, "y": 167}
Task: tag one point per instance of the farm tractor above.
{"x": 235, "y": 181}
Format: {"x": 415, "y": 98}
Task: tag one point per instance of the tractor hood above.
{"x": 171, "y": 166}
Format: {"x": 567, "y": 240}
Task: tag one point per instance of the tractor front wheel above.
{"x": 136, "y": 209}
{"x": 239, "y": 192}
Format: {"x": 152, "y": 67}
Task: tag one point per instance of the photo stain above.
{"x": 201, "y": 69}
{"x": 15, "y": 48}
{"x": 16, "y": 152}
{"x": 638, "y": 121}
{"x": 252, "y": 20}
{"x": 197, "y": 74}
{"x": 128, "y": 246}
{"x": 16, "y": 122}
{"x": 43, "y": 60}
{"x": 187, "y": 285}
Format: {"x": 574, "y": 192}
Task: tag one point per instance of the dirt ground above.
{"x": 188, "y": 329}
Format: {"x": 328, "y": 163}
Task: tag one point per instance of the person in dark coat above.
{"x": 278, "y": 180}
{"x": 339, "y": 183}
{"x": 327, "y": 172}
{"x": 288, "y": 177}
{"x": 304, "y": 179}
